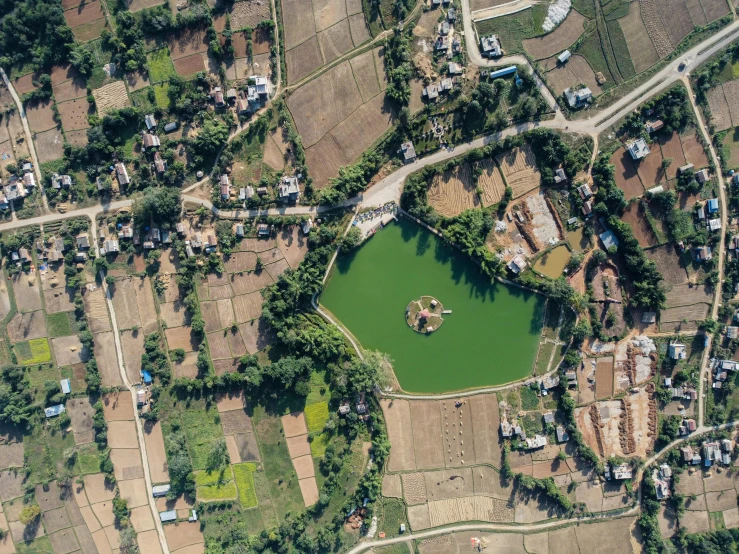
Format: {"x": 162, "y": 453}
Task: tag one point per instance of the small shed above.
{"x": 170, "y": 515}
{"x": 160, "y": 490}
{"x": 66, "y": 386}
{"x": 53, "y": 411}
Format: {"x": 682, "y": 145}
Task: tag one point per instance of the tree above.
{"x": 30, "y": 514}
{"x": 158, "y": 204}
{"x": 211, "y": 137}
{"x": 177, "y": 355}
{"x": 374, "y": 369}
{"x": 218, "y": 456}
{"x": 83, "y": 60}
{"x": 350, "y": 241}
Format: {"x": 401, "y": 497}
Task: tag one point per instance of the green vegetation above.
{"x": 88, "y": 460}
{"x": 34, "y": 351}
{"x": 161, "y": 67}
{"x": 161, "y": 95}
{"x": 590, "y": 48}
{"x": 61, "y": 324}
{"x": 620, "y": 48}
{"x": 529, "y": 397}
{"x": 391, "y": 514}
{"x": 316, "y": 416}
{"x": 244, "y": 475}
{"x": 217, "y": 485}
{"x": 513, "y": 29}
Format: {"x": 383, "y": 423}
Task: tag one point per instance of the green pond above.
{"x": 490, "y": 338}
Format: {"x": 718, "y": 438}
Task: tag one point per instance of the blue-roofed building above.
{"x": 503, "y": 72}
{"x": 712, "y": 205}
{"x": 146, "y": 376}
{"x": 66, "y": 386}
{"x": 53, "y": 411}
{"x": 170, "y": 515}
{"x": 609, "y": 239}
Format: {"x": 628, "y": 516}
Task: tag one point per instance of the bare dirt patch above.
{"x": 668, "y": 264}
{"x": 26, "y": 326}
{"x": 11, "y": 455}
{"x": 189, "y": 65}
{"x": 304, "y": 467}
{"x": 27, "y": 296}
{"x": 694, "y": 151}
{"x": 49, "y": 145}
{"x": 627, "y": 178}
{"x": 559, "y": 39}
{"x": 278, "y": 268}
{"x": 642, "y": 52}
{"x": 309, "y": 490}
{"x": 519, "y": 169}
{"x": 74, "y": 114}
{"x": 241, "y": 261}
{"x": 174, "y": 314}
{"x": 112, "y": 96}
{"x": 236, "y": 421}
{"x": 189, "y": 42}
{"x": 80, "y": 412}
{"x": 40, "y": 115}
{"x": 98, "y": 489}
{"x": 299, "y": 446}
{"x": 84, "y": 13}
{"x": 635, "y": 217}
{"x": 257, "y": 335}
{"x": 672, "y": 149}
{"x": 294, "y": 424}
{"x": 391, "y": 486}
{"x": 243, "y": 284}
{"x": 181, "y": 337}
{"x": 155, "y": 452}
{"x": 118, "y": 406}
{"x": 69, "y": 351}
{"x": 293, "y": 244}
{"x": 183, "y": 534}
{"x": 70, "y": 90}
{"x": 122, "y": 434}
{"x": 127, "y": 463}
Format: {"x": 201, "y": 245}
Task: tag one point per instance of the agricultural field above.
{"x": 454, "y": 191}
{"x": 318, "y": 33}
{"x": 112, "y": 96}
{"x": 335, "y": 121}
{"x": 86, "y": 19}
{"x": 519, "y": 170}
{"x": 558, "y": 40}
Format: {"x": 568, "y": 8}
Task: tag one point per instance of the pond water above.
{"x": 553, "y": 263}
{"x": 577, "y": 239}
{"x": 490, "y": 338}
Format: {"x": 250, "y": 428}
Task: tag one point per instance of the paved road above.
{"x": 705, "y": 375}
{"x": 29, "y": 138}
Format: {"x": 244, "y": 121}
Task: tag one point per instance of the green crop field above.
{"x": 161, "y": 93}
{"x": 529, "y": 399}
{"x": 620, "y": 49}
{"x": 202, "y": 429}
{"x": 392, "y": 515}
{"x": 217, "y": 485}
{"x": 590, "y": 49}
{"x": 244, "y": 474}
{"x": 34, "y": 351}
{"x": 62, "y": 324}
{"x": 88, "y": 460}
{"x": 316, "y": 416}
{"x": 161, "y": 67}
{"x": 41, "y": 545}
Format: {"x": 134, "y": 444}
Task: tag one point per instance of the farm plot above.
{"x": 241, "y": 261}
{"x": 293, "y": 245}
{"x": 731, "y": 92}
{"x": 642, "y": 52}
{"x": 242, "y": 284}
{"x": 672, "y": 149}
{"x": 189, "y": 65}
{"x": 398, "y": 418}
{"x": 247, "y": 307}
{"x": 40, "y": 115}
{"x": 676, "y": 19}
{"x": 650, "y": 168}
{"x": 89, "y": 31}
{"x": 714, "y": 9}
{"x": 684, "y": 295}
{"x": 427, "y": 443}
{"x": 720, "y": 115}
{"x": 519, "y": 170}
{"x": 249, "y": 14}
{"x": 668, "y": 264}
{"x": 59, "y": 300}
{"x": 561, "y": 38}
{"x": 694, "y": 151}
{"x": 694, "y": 312}
{"x": 604, "y": 378}
{"x": 124, "y": 303}
{"x": 218, "y": 345}
{"x": 80, "y": 412}
{"x": 257, "y": 335}
{"x": 96, "y": 309}
{"x": 112, "y": 96}
{"x": 155, "y": 452}
{"x": 84, "y": 13}
{"x": 181, "y": 337}
{"x": 187, "y": 43}
{"x": 26, "y": 326}
{"x": 363, "y": 67}
{"x": 49, "y": 145}
{"x": 453, "y": 192}
{"x": 74, "y": 113}
{"x": 627, "y": 178}
{"x": 651, "y": 14}
{"x": 132, "y": 343}
{"x": 27, "y": 296}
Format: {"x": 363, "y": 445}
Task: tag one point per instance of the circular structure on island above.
{"x": 424, "y": 315}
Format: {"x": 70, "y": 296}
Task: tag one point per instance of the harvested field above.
{"x": 187, "y": 367}
{"x": 678, "y": 24}
{"x": 96, "y": 309}
{"x": 112, "y": 96}
{"x": 249, "y": 13}
{"x": 246, "y": 443}
{"x": 696, "y": 523}
{"x": 89, "y": 31}
{"x": 627, "y": 178}
{"x": 672, "y": 148}
{"x": 642, "y": 52}
{"x": 27, "y": 296}
{"x": 720, "y": 115}
{"x": 714, "y": 9}
{"x": 298, "y": 446}
{"x": 49, "y": 145}
{"x": 304, "y": 59}
{"x": 189, "y": 65}
{"x": 132, "y": 344}
{"x": 84, "y": 13}
{"x": 11, "y": 484}
{"x": 304, "y": 467}
{"x": 650, "y": 11}
{"x": 293, "y": 244}
{"x": 427, "y": 425}
{"x": 241, "y": 261}
{"x": 475, "y": 508}
{"x": 363, "y": 67}
{"x": 236, "y": 421}
{"x": 98, "y": 489}
{"x": 257, "y": 335}
{"x": 209, "y": 311}
{"x": 274, "y": 155}
{"x": 40, "y": 115}
{"x": 309, "y": 490}
{"x": 299, "y": 21}
{"x": 414, "y": 488}
{"x": 76, "y": 138}
{"x": 485, "y": 423}
{"x": 155, "y": 452}
{"x": 55, "y": 520}
{"x": 335, "y": 41}
{"x": 668, "y": 263}
{"x": 122, "y": 434}
{"x": 80, "y": 412}
{"x": 64, "y": 542}
{"x": 189, "y": 42}
{"x": 127, "y": 463}
{"x": 491, "y": 183}
{"x": 452, "y": 193}
{"x": 391, "y": 486}
{"x": 294, "y": 424}
{"x": 25, "y": 84}
{"x": 11, "y": 455}
{"x": 228, "y": 401}
{"x": 242, "y": 284}
{"x": 174, "y": 314}
{"x": 107, "y": 359}
{"x": 560, "y": 39}
{"x": 694, "y": 152}
{"x": 519, "y": 169}
{"x": 27, "y": 326}
{"x": 69, "y": 351}
{"x": 74, "y": 114}
{"x": 218, "y": 345}
{"x": 256, "y": 245}
{"x": 145, "y": 302}
{"x": 183, "y": 534}
{"x": 59, "y": 300}
{"x": 134, "y": 491}
{"x": 138, "y": 5}
{"x": 695, "y": 312}
{"x": 181, "y": 337}
{"x": 236, "y": 343}
{"x": 278, "y": 268}
{"x": 399, "y": 428}
{"x": 448, "y": 483}
{"x": 576, "y": 70}
{"x": 650, "y": 169}
{"x": 635, "y": 217}
{"x": 683, "y": 295}
{"x": 225, "y": 366}
{"x": 141, "y": 519}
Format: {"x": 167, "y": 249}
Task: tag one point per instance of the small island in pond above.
{"x": 424, "y": 315}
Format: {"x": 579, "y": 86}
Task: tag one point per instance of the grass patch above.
{"x": 512, "y": 29}
{"x": 545, "y": 353}
{"x": 319, "y": 443}
{"x": 217, "y": 485}
{"x": 98, "y": 77}
{"x": 533, "y": 424}
{"x": 529, "y": 399}
{"x": 316, "y": 416}
{"x": 392, "y": 515}
{"x": 100, "y": 53}
{"x": 88, "y": 460}
{"x": 620, "y": 49}
{"x": 34, "y": 351}
{"x": 41, "y": 545}
{"x": 318, "y": 388}
{"x": 244, "y": 475}
{"x": 61, "y": 325}
{"x": 514, "y": 400}
{"x": 140, "y": 99}
{"x": 399, "y": 548}
{"x": 161, "y": 93}
{"x": 264, "y": 500}
{"x": 161, "y": 67}
{"x": 717, "y": 521}
{"x": 202, "y": 429}
{"x": 45, "y": 451}
{"x": 585, "y": 7}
